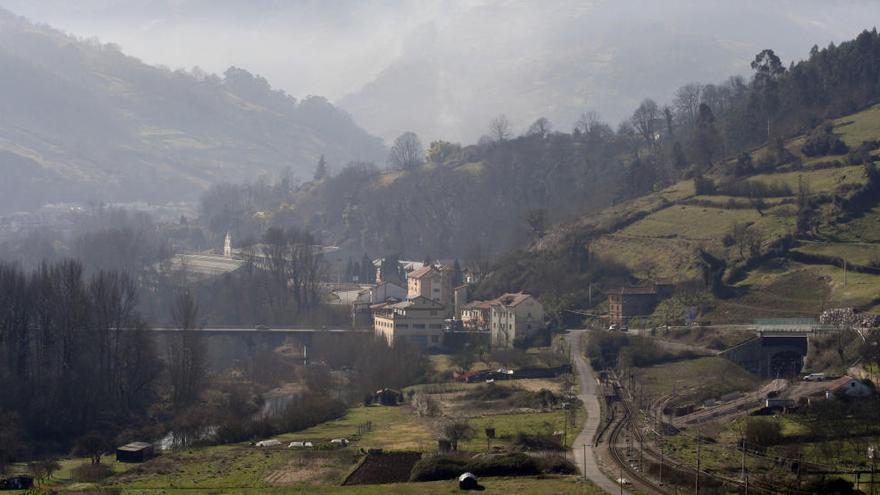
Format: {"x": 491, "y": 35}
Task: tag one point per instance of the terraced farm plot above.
{"x": 647, "y": 257}
{"x": 865, "y": 228}
{"x": 861, "y": 253}
{"x": 825, "y": 180}
{"x": 857, "y": 128}
{"x": 802, "y": 290}
{"x": 692, "y": 223}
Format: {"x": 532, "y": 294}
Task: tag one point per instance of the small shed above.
{"x": 134, "y": 452}
{"x": 389, "y": 397}
{"x": 468, "y": 481}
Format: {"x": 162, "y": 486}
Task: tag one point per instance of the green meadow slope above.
{"x": 772, "y": 268}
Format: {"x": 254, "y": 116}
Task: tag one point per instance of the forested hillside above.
{"x": 765, "y": 229}
{"x": 80, "y": 120}
{"x": 505, "y": 191}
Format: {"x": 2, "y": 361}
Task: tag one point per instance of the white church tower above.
{"x": 227, "y": 245}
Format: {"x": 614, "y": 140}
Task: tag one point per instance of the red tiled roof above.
{"x": 479, "y": 304}
{"x": 420, "y": 272}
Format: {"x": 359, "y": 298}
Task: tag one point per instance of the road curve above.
{"x": 587, "y": 394}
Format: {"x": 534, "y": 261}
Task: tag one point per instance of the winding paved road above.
{"x": 588, "y": 395}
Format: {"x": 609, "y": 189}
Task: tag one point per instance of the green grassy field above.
{"x": 858, "y": 253}
{"x": 508, "y": 425}
{"x": 692, "y": 223}
{"x": 542, "y": 485}
{"x": 857, "y": 128}
{"x": 244, "y": 468}
{"x": 393, "y": 428}
{"x": 825, "y": 180}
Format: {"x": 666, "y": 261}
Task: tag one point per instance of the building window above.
{"x": 435, "y": 325}
{"x": 433, "y": 312}
{"x": 418, "y": 325}
{"x": 435, "y": 338}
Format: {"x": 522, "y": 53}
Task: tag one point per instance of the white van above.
{"x": 815, "y": 377}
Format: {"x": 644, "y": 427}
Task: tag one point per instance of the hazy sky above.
{"x": 443, "y": 68}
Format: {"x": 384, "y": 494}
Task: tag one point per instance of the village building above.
{"x": 514, "y": 316}
{"x": 475, "y": 315}
{"x": 362, "y": 306}
{"x": 633, "y": 302}
{"x": 403, "y": 266}
{"x": 849, "y": 387}
{"x": 433, "y": 283}
{"x": 418, "y": 320}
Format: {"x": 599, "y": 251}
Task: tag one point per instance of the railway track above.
{"x": 626, "y": 471}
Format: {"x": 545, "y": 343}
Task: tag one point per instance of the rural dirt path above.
{"x": 588, "y": 394}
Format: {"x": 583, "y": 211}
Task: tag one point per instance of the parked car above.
{"x": 815, "y": 377}
{"x": 613, "y": 327}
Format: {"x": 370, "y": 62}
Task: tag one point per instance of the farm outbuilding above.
{"x": 134, "y": 452}
{"x": 389, "y": 397}
{"x": 17, "y": 483}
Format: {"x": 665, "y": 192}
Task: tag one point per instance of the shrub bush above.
{"x": 90, "y": 473}
{"x": 822, "y": 141}
{"x": 537, "y": 442}
{"x": 450, "y": 466}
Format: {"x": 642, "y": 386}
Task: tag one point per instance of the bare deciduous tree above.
{"x": 500, "y": 129}
{"x": 540, "y": 127}
{"x": 187, "y": 365}
{"x": 644, "y": 119}
{"x": 458, "y": 430}
{"x": 406, "y": 153}
{"x": 687, "y": 103}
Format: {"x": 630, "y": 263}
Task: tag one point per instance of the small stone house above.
{"x": 632, "y": 302}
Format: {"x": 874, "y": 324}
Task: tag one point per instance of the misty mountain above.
{"x": 80, "y": 120}
{"x": 561, "y": 59}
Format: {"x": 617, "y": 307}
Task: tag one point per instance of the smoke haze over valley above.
{"x": 442, "y": 69}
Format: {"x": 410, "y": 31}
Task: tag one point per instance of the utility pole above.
{"x": 660, "y": 441}
{"x": 742, "y": 445}
{"x": 699, "y": 452}
{"x": 641, "y": 451}
{"x": 872, "y": 453}
{"x": 620, "y": 477}
{"x": 844, "y": 273}
{"x": 585, "y": 462}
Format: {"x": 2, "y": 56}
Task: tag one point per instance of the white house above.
{"x": 847, "y": 386}
{"x": 513, "y": 316}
